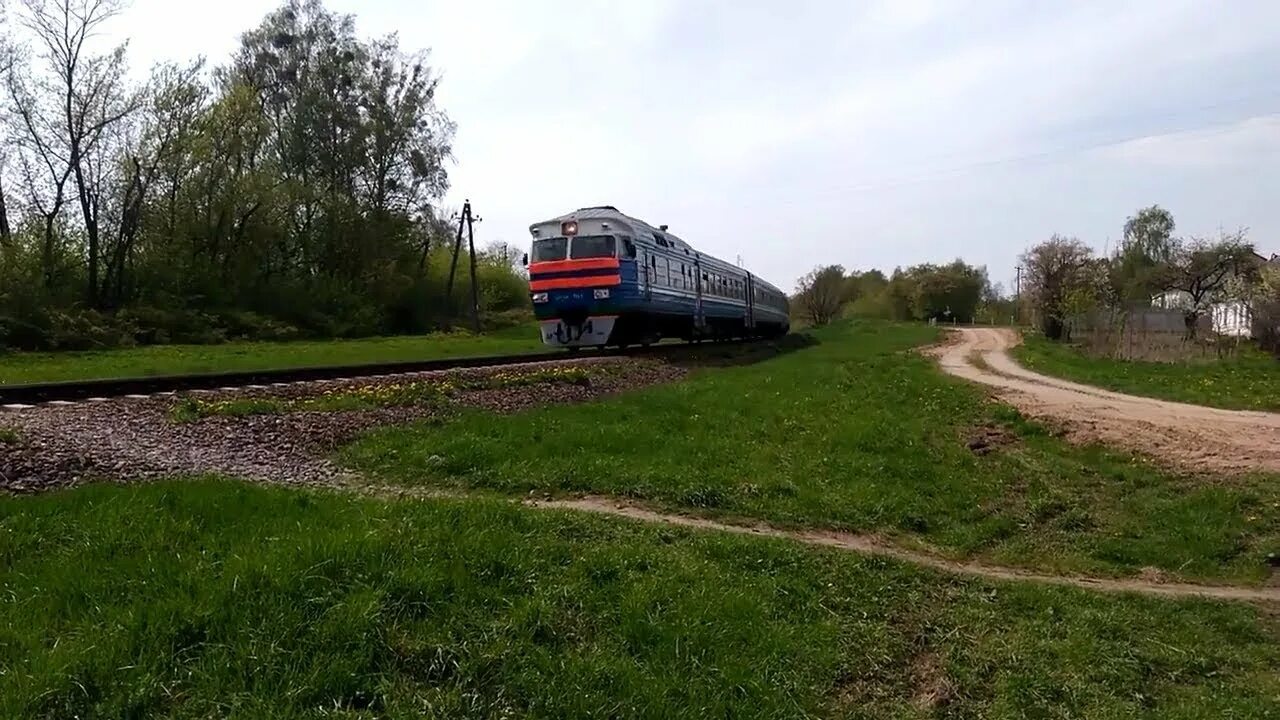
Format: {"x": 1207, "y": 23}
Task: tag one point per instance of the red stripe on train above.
{"x": 589, "y": 281}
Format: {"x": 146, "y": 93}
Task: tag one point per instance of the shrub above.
{"x": 77, "y": 329}
{"x": 246, "y": 325}
{"x": 19, "y": 334}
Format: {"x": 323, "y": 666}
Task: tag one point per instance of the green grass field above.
{"x": 1248, "y": 382}
{"x": 216, "y": 599}
{"x": 18, "y": 368}
{"x": 856, "y": 433}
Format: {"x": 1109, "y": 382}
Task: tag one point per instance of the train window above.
{"x": 592, "y": 246}
{"x": 628, "y": 249}
{"x": 550, "y": 249}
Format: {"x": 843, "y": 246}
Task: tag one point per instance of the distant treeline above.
{"x": 294, "y": 189}
{"x": 955, "y": 292}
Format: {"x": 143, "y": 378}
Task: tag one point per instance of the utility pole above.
{"x": 467, "y": 222}
{"x": 1017, "y": 294}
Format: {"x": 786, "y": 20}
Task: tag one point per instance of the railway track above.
{"x": 17, "y": 396}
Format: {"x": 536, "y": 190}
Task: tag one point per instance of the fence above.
{"x": 1148, "y": 334}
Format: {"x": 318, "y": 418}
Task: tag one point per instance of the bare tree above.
{"x": 42, "y": 165}
{"x": 1202, "y": 270}
{"x": 822, "y": 294}
{"x": 70, "y": 109}
{"x": 5, "y": 231}
{"x": 6, "y": 66}
{"x": 1057, "y": 272}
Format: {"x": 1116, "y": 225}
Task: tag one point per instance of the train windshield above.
{"x": 550, "y": 249}
{"x": 593, "y": 246}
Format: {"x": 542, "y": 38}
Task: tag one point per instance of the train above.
{"x": 598, "y": 278}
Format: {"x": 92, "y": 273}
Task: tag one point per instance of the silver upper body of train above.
{"x": 608, "y": 220}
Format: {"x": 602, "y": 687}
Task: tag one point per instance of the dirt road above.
{"x": 1188, "y": 436}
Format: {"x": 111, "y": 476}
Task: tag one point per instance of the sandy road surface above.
{"x": 1189, "y": 436}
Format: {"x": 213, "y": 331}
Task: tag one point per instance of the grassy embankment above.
{"x": 17, "y": 368}
{"x": 216, "y": 599}
{"x": 857, "y": 433}
{"x": 1249, "y": 381}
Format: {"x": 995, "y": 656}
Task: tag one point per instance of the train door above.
{"x": 751, "y": 304}
{"x": 650, "y": 267}
{"x": 699, "y": 315}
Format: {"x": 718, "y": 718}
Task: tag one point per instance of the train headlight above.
{"x": 601, "y": 294}
{"x": 540, "y": 297}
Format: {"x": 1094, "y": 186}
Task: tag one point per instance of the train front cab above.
{"x": 578, "y": 278}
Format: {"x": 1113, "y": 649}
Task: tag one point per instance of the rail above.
{"x": 32, "y": 393}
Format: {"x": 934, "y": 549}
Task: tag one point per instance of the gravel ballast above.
{"x": 124, "y": 439}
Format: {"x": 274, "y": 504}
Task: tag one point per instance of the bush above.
{"x": 20, "y": 334}
{"x": 155, "y": 326}
{"x": 506, "y": 318}
{"x": 876, "y": 306}
{"x": 77, "y": 329}
{"x": 246, "y": 325}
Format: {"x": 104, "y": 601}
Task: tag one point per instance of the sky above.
{"x": 870, "y": 134}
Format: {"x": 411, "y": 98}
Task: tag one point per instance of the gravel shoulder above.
{"x": 124, "y": 439}
{"x": 1181, "y": 435}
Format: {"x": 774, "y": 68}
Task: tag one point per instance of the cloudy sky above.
{"x": 872, "y": 134}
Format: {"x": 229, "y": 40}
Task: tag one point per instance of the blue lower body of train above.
{"x": 634, "y": 312}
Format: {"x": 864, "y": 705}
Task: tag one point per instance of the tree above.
{"x": 147, "y": 145}
{"x": 996, "y": 306}
{"x": 297, "y": 185}
{"x": 821, "y": 294}
{"x": 79, "y": 99}
{"x": 1201, "y": 270}
{"x": 1147, "y": 247}
{"x": 947, "y": 292}
{"x": 1265, "y": 308}
{"x": 6, "y": 65}
{"x": 1056, "y": 272}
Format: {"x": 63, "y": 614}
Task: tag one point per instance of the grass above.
{"x": 8, "y": 436}
{"x": 217, "y": 599}
{"x": 856, "y": 433}
{"x": 1250, "y": 381}
{"x": 18, "y": 368}
{"x": 376, "y": 395}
